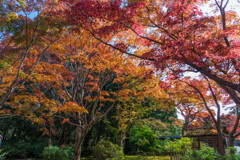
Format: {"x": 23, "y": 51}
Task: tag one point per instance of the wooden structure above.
{"x": 207, "y": 136}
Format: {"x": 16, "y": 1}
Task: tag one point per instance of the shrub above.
{"x": 144, "y": 141}
{"x": 106, "y": 149}
{"x": 2, "y": 154}
{"x": 179, "y": 145}
{"x": 20, "y": 150}
{"x": 68, "y": 150}
{"x": 57, "y": 153}
{"x": 209, "y": 153}
{"x": 203, "y": 154}
{"x": 36, "y": 149}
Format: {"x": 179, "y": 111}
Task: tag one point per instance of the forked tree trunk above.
{"x": 80, "y": 135}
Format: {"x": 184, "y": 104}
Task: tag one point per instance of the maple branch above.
{"x": 4, "y": 49}
{"x": 71, "y": 123}
{"x": 104, "y": 114}
{"x": 1, "y": 81}
{"x": 232, "y": 93}
{"x": 204, "y": 101}
{"x": 13, "y": 87}
{"x": 144, "y": 37}
{"x": 225, "y": 4}
{"x": 65, "y": 88}
{"x": 216, "y": 102}
{"x": 236, "y": 125}
{"x": 166, "y": 31}
{"x": 114, "y": 47}
{"x": 237, "y": 134}
{"x": 28, "y": 47}
{"x": 207, "y": 72}
{"x": 94, "y": 110}
{"x": 222, "y": 11}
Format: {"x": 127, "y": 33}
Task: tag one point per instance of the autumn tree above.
{"x": 212, "y": 96}
{"x": 228, "y": 125}
{"x": 178, "y": 37}
{"x": 78, "y": 80}
{"x": 189, "y": 104}
{"x": 28, "y": 29}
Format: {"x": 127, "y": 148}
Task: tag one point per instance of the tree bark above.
{"x": 80, "y": 135}
{"x": 221, "y": 149}
{"x": 121, "y": 139}
{"x": 184, "y": 127}
{"x": 50, "y": 139}
{"x": 231, "y": 143}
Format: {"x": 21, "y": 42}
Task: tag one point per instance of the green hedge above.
{"x": 57, "y": 153}
{"x": 106, "y": 149}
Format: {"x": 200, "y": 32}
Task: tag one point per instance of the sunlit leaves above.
{"x": 69, "y": 107}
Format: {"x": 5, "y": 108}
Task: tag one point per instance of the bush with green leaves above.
{"x": 106, "y": 149}
{"x": 209, "y": 153}
{"x": 144, "y": 141}
{"x": 57, "y": 153}
{"x": 179, "y": 145}
{"x": 20, "y": 150}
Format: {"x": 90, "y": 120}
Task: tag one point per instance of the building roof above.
{"x": 195, "y": 132}
{"x": 171, "y": 137}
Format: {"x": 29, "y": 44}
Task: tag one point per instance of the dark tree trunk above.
{"x": 63, "y": 138}
{"x": 221, "y": 148}
{"x": 184, "y": 128}
{"x": 231, "y": 143}
{"x": 49, "y": 139}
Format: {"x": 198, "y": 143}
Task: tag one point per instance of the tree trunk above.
{"x": 185, "y": 125}
{"x": 77, "y": 151}
{"x": 184, "y": 128}
{"x": 80, "y": 135}
{"x": 63, "y": 138}
{"x": 121, "y": 139}
{"x": 231, "y": 143}
{"x": 221, "y": 149}
{"x": 50, "y": 139}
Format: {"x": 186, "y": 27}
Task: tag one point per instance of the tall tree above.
{"x": 78, "y": 80}
{"x": 27, "y": 32}
{"x": 178, "y": 37}
{"x": 212, "y": 96}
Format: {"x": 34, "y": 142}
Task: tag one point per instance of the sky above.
{"x": 232, "y": 5}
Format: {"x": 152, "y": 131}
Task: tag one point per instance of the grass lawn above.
{"x": 137, "y": 157}
{"x": 132, "y": 157}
